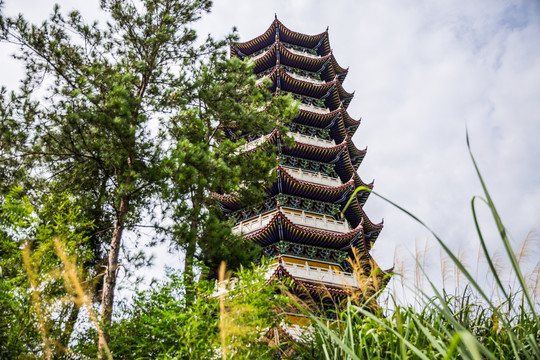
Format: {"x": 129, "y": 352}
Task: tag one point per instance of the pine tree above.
{"x": 209, "y": 155}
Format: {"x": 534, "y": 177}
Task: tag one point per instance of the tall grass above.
{"x": 77, "y": 294}
{"x": 470, "y": 324}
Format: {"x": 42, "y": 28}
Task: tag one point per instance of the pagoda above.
{"x": 300, "y": 224}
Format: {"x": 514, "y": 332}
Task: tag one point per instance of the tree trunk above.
{"x": 109, "y": 280}
{"x": 188, "y": 264}
{"x": 192, "y": 248}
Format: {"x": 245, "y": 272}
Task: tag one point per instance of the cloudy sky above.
{"x": 423, "y": 72}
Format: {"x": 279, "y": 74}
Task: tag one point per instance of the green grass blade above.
{"x": 471, "y": 343}
{"x": 436, "y": 344}
{"x": 484, "y": 247}
{"x": 403, "y": 340}
{"x": 353, "y": 196}
{"x": 502, "y": 232}
{"x": 447, "y": 313}
{"x": 335, "y": 339}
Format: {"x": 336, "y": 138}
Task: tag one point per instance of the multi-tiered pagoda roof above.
{"x": 301, "y": 221}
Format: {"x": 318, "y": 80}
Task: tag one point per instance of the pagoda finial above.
{"x": 275, "y": 16}
{"x": 327, "y": 28}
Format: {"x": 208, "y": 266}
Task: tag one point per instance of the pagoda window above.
{"x": 310, "y": 205}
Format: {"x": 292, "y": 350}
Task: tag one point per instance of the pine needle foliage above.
{"x": 129, "y": 114}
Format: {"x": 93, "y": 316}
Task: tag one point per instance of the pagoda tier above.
{"x": 300, "y": 223}
{"x": 338, "y": 283}
{"x": 315, "y": 155}
{"x": 313, "y": 147}
{"x": 337, "y": 123}
{"x": 309, "y": 45}
{"x": 297, "y": 195}
{"x": 331, "y": 120}
{"x": 327, "y": 96}
{"x": 285, "y": 233}
{"x": 288, "y": 184}
{"x": 295, "y": 227}
{"x": 251, "y": 219}
{"x": 318, "y": 70}
{"x": 332, "y": 280}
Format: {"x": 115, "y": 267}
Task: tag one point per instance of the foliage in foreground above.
{"x": 161, "y": 324}
{"x": 43, "y": 291}
{"x": 38, "y": 306}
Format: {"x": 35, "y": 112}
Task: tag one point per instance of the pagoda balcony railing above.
{"x": 308, "y": 79}
{"x": 301, "y": 218}
{"x": 309, "y": 74}
{"x": 311, "y": 140}
{"x": 310, "y": 130}
{"x": 313, "y": 177}
{"x": 310, "y": 220}
{"x": 305, "y": 75}
{"x": 300, "y": 50}
{"x": 308, "y": 165}
{"x": 316, "y": 274}
{"x": 286, "y": 201}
